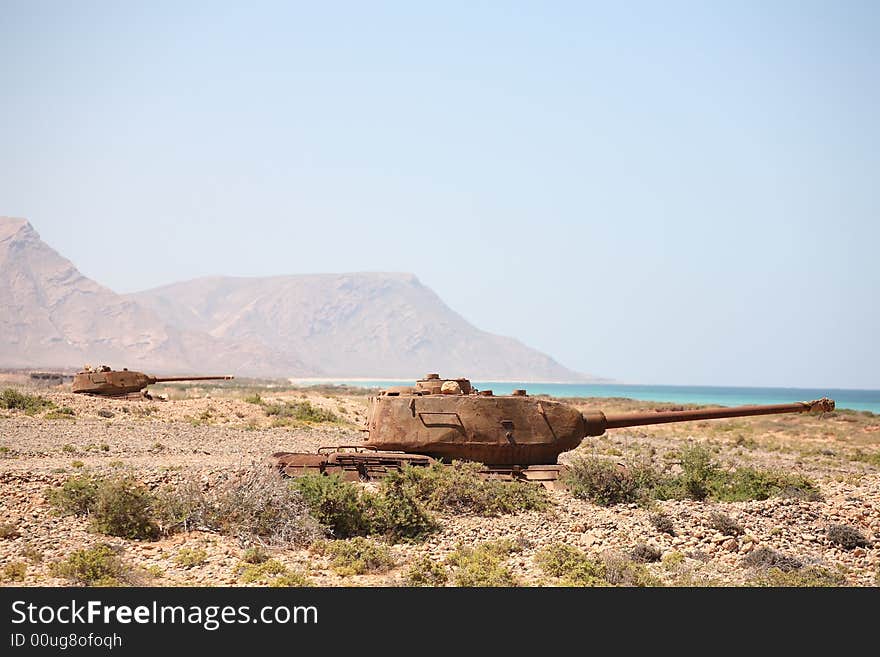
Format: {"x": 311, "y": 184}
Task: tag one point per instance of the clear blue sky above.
{"x": 654, "y": 192}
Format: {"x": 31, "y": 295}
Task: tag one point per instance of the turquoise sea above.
{"x": 861, "y": 400}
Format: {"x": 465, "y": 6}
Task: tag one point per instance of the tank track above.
{"x": 358, "y": 463}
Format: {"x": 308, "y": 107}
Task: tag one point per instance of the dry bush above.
{"x": 644, "y": 553}
{"x": 255, "y": 505}
{"x": 356, "y": 556}
{"x": 847, "y": 537}
{"x": 721, "y": 522}
{"x": 764, "y": 557}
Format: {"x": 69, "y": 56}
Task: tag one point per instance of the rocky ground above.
{"x": 203, "y": 432}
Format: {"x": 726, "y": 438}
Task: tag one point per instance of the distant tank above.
{"x": 514, "y": 436}
{"x": 105, "y": 382}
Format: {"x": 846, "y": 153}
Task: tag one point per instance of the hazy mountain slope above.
{"x": 363, "y": 324}
{"x": 53, "y": 316}
{"x": 336, "y": 325}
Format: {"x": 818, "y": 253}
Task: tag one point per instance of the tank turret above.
{"x": 106, "y": 382}
{"x": 517, "y": 435}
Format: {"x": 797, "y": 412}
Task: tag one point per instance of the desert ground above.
{"x": 202, "y": 433}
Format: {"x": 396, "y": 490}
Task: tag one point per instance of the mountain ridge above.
{"x": 346, "y": 325}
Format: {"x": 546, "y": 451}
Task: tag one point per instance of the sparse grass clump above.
{"x": 571, "y": 566}
{"x": 721, "y": 522}
{"x": 483, "y": 565}
{"x": 606, "y": 483}
{"x": 811, "y": 576}
{"x": 621, "y": 571}
{"x": 459, "y": 488}
{"x": 255, "y": 555}
{"x": 764, "y": 557}
{"x": 256, "y": 506}
{"x": 847, "y": 537}
{"x": 273, "y": 573}
{"x": 14, "y": 400}
{"x": 63, "y": 413}
{"x": 15, "y": 571}
{"x": 302, "y": 411}
{"x": 32, "y": 554}
{"x": 96, "y": 566}
{"x": 356, "y": 556}
{"x": 190, "y": 557}
{"x": 254, "y": 399}
{"x": 8, "y": 530}
{"x": 426, "y": 572}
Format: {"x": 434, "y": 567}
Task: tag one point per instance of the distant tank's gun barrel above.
{"x": 164, "y": 379}
{"x": 598, "y": 422}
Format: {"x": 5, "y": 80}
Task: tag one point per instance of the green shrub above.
{"x": 398, "y": 515}
{"x": 721, "y": 522}
{"x": 702, "y": 477}
{"x": 571, "y": 566}
{"x": 19, "y": 401}
{"x": 15, "y": 571}
{"x": 123, "y": 507}
{"x": 301, "y": 411}
{"x": 96, "y": 566}
{"x": 356, "y": 556}
{"x": 254, "y": 505}
{"x": 483, "y": 565}
{"x": 746, "y": 484}
{"x": 606, "y": 483}
{"x": 459, "y": 488}
{"x": 847, "y": 537}
{"x": 77, "y": 496}
{"x": 698, "y": 469}
{"x": 254, "y": 399}
{"x": 424, "y": 571}
{"x": 190, "y": 557}
{"x": 341, "y": 506}
{"x": 347, "y": 510}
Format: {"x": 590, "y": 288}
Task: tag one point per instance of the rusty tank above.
{"x": 514, "y": 436}
{"x": 105, "y": 382}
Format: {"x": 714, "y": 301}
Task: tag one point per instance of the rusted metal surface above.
{"x": 598, "y": 422}
{"x": 105, "y": 382}
{"x": 351, "y": 463}
{"x": 514, "y": 436}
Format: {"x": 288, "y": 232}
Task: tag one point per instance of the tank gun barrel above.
{"x": 163, "y": 379}
{"x": 598, "y": 422}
